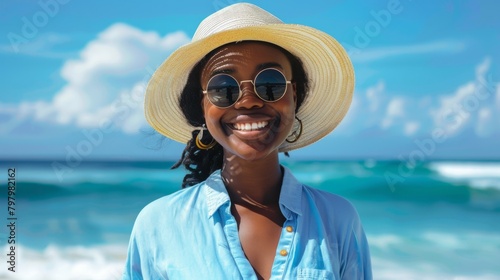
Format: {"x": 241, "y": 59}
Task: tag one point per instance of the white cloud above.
{"x": 396, "y": 107}
{"x": 484, "y": 125}
{"x": 373, "y": 94}
{"x": 445, "y": 46}
{"x": 375, "y": 108}
{"x": 358, "y": 114}
{"x": 450, "y": 115}
{"x": 411, "y": 128}
{"x": 395, "y": 110}
{"x": 471, "y": 101}
{"x": 474, "y": 105}
{"x": 106, "y": 82}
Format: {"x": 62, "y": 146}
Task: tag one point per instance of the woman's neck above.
{"x": 255, "y": 182}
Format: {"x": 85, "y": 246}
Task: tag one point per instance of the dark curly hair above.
{"x": 201, "y": 163}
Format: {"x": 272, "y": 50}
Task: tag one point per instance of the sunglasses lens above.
{"x": 223, "y": 90}
{"x": 270, "y": 85}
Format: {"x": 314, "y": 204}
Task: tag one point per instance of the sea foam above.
{"x": 102, "y": 262}
{"x": 480, "y": 175}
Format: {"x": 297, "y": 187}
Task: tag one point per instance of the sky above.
{"x": 74, "y": 72}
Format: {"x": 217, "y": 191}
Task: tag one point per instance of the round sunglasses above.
{"x": 223, "y": 90}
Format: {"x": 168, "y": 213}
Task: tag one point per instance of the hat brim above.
{"x": 329, "y": 69}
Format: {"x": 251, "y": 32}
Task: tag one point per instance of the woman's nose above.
{"x": 249, "y": 98}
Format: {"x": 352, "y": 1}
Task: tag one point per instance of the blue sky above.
{"x": 427, "y": 76}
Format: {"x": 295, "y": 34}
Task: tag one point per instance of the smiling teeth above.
{"x": 250, "y": 126}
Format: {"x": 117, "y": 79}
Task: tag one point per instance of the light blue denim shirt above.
{"x": 191, "y": 234}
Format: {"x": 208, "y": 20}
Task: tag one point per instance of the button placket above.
{"x": 287, "y": 234}
{"x": 283, "y": 249}
{"x": 284, "y": 252}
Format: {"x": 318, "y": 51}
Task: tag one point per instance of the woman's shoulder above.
{"x": 322, "y": 196}
{"x": 312, "y": 199}
{"x": 180, "y": 200}
{"x": 330, "y": 204}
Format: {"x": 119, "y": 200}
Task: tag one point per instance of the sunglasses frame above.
{"x": 245, "y": 81}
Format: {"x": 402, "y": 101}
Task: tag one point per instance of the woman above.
{"x": 246, "y": 88}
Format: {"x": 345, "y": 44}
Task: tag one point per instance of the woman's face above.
{"x": 243, "y": 61}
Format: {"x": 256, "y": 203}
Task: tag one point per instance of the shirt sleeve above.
{"x": 357, "y": 263}
{"x": 133, "y": 269}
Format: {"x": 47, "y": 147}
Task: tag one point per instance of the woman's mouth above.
{"x": 250, "y": 126}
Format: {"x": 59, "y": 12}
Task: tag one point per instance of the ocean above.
{"x": 435, "y": 220}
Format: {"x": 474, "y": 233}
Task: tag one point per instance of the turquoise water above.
{"x": 438, "y": 220}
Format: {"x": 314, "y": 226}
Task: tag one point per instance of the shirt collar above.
{"x": 290, "y": 196}
{"x": 216, "y": 193}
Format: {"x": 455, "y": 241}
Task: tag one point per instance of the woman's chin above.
{"x": 252, "y": 151}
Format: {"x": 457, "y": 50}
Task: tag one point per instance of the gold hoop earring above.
{"x": 292, "y": 138}
{"x": 200, "y": 144}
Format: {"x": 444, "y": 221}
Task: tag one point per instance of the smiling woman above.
{"x": 231, "y": 126}
{"x": 246, "y": 88}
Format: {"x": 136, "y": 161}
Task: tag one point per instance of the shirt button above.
{"x": 289, "y": 228}
{"x": 283, "y": 253}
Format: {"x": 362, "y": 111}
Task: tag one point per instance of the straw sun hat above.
{"x": 329, "y": 69}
